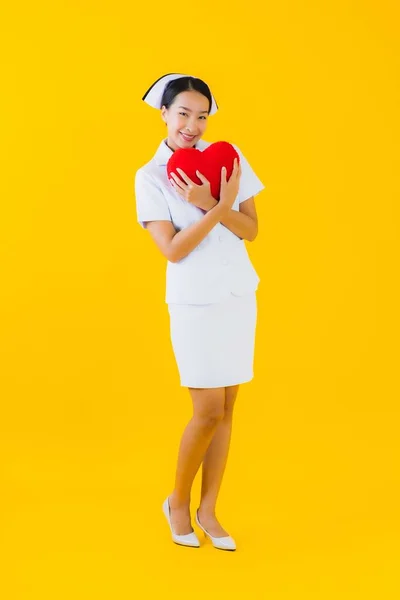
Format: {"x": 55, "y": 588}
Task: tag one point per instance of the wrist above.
{"x": 222, "y": 209}
{"x": 211, "y": 203}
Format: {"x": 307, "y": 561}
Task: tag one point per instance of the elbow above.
{"x": 175, "y": 255}
{"x": 172, "y": 255}
{"x": 170, "y": 252}
{"x": 253, "y": 234}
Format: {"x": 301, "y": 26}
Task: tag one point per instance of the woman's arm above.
{"x": 243, "y": 223}
{"x": 176, "y": 245}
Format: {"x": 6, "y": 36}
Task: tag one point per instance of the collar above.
{"x": 164, "y": 153}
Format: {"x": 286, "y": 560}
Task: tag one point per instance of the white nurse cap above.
{"x": 154, "y": 94}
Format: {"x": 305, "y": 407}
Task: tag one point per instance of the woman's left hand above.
{"x": 198, "y": 195}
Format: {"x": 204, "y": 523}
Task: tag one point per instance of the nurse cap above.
{"x": 154, "y": 94}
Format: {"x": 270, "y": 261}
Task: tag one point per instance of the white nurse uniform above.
{"x": 211, "y": 293}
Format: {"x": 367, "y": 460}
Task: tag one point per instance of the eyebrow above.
{"x": 186, "y": 108}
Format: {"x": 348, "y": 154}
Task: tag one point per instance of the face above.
{"x": 188, "y": 114}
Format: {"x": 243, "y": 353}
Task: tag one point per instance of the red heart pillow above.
{"x": 209, "y": 162}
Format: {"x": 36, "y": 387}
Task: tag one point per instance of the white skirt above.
{"x": 214, "y": 343}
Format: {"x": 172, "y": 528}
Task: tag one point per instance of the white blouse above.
{"x": 219, "y": 266}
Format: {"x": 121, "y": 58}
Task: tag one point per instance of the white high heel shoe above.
{"x": 222, "y": 543}
{"x": 189, "y": 539}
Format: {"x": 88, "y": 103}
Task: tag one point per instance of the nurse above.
{"x": 210, "y": 293}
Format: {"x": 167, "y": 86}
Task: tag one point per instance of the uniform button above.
{"x": 221, "y": 239}
{"x": 225, "y": 262}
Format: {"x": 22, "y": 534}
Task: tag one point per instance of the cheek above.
{"x": 179, "y": 124}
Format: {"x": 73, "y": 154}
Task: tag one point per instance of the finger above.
{"x": 180, "y": 191}
{"x": 185, "y": 177}
{"x": 178, "y": 180}
{"x": 201, "y": 177}
{"x": 180, "y": 183}
{"x": 223, "y": 175}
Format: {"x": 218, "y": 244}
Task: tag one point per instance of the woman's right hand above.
{"x": 229, "y": 189}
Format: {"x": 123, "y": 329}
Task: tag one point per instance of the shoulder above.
{"x": 146, "y": 170}
{"x": 149, "y": 173}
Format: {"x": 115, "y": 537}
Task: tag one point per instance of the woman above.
{"x": 211, "y": 293}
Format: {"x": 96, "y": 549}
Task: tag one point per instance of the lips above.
{"x": 188, "y": 138}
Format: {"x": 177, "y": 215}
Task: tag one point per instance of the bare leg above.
{"x": 214, "y": 467}
{"x": 208, "y": 411}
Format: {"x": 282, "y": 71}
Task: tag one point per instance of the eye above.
{"x": 203, "y": 117}
{"x": 183, "y": 113}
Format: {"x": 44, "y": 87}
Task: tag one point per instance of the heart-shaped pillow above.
{"x": 208, "y": 161}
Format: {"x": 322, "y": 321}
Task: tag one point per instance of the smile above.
{"x": 188, "y": 138}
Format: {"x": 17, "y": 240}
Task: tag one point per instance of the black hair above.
{"x": 184, "y": 84}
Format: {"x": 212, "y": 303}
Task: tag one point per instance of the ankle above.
{"x": 207, "y": 509}
{"x": 176, "y": 502}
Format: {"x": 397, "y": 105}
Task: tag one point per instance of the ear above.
{"x": 164, "y": 114}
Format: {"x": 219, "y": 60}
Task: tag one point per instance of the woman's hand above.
{"x": 198, "y": 195}
{"x": 229, "y": 190}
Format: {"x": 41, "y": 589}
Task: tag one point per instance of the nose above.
{"x": 191, "y": 127}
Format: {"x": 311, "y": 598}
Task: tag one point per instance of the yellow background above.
{"x": 91, "y": 410}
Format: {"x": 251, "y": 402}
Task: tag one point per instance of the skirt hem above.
{"x": 204, "y": 387}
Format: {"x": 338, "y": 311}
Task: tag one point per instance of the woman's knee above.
{"x": 208, "y": 406}
{"x": 231, "y": 393}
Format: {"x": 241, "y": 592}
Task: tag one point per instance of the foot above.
{"x": 210, "y": 522}
{"x": 180, "y": 517}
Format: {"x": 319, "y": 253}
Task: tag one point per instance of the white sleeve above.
{"x": 250, "y": 184}
{"x": 151, "y": 204}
